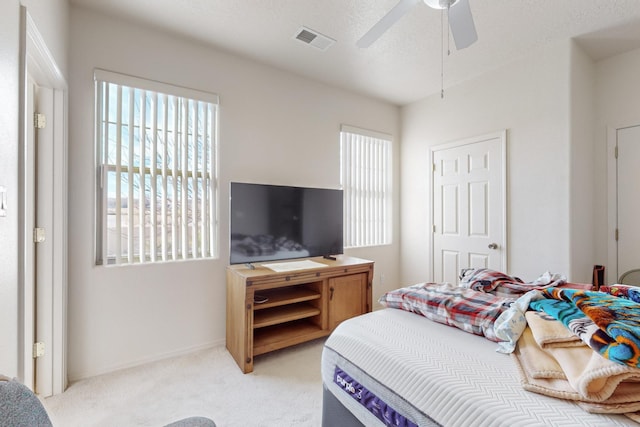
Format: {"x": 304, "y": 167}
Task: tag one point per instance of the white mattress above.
{"x": 427, "y": 370}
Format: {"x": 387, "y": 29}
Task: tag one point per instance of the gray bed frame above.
{"x": 334, "y": 414}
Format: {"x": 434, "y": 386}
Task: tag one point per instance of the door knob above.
{"x": 493, "y": 246}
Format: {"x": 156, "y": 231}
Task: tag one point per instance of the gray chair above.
{"x": 20, "y": 407}
{"x": 631, "y": 277}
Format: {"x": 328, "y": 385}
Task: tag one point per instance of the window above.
{"x": 365, "y": 175}
{"x": 156, "y": 186}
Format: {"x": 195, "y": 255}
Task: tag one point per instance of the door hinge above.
{"x": 616, "y": 152}
{"x": 39, "y": 120}
{"x": 434, "y": 167}
{"x": 617, "y": 235}
{"x": 38, "y": 235}
{"x": 38, "y": 349}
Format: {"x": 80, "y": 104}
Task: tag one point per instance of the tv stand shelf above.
{"x": 283, "y": 314}
{"x": 301, "y": 305}
{"x": 285, "y": 296}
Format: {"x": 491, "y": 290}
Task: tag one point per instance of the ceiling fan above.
{"x": 460, "y": 21}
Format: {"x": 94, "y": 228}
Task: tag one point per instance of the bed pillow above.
{"x": 463, "y": 308}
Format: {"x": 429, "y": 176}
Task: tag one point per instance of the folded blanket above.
{"x": 635, "y": 416}
{"x": 549, "y": 332}
{"x": 578, "y": 374}
{"x": 607, "y": 324}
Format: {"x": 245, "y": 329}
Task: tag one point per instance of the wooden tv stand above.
{"x": 302, "y": 305}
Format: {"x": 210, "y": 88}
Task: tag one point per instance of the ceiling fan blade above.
{"x": 461, "y": 24}
{"x": 386, "y": 22}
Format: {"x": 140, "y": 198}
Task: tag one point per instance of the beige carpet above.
{"x": 285, "y": 389}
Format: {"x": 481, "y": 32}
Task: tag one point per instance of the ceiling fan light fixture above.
{"x": 460, "y": 21}
{"x": 440, "y": 4}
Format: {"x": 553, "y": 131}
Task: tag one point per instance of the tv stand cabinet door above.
{"x": 347, "y": 298}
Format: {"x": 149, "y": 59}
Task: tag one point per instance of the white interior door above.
{"x": 38, "y": 372}
{"x": 469, "y": 208}
{"x": 628, "y": 199}
{"x": 44, "y": 179}
{"x": 29, "y": 200}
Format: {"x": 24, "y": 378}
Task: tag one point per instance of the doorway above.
{"x": 624, "y": 174}
{"x": 43, "y": 201}
{"x": 468, "y": 198}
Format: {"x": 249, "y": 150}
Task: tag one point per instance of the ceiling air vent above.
{"x": 314, "y": 38}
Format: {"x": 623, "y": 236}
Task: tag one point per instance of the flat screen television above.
{"x": 274, "y": 222}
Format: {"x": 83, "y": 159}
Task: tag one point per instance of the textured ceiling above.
{"x": 405, "y": 64}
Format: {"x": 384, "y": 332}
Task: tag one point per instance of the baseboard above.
{"x": 145, "y": 360}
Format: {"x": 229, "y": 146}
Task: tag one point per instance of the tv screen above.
{"x": 273, "y": 222}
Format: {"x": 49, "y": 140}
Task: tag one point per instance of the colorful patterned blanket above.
{"x": 623, "y": 291}
{"x": 608, "y": 324}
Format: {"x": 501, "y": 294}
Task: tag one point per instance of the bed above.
{"x": 395, "y": 367}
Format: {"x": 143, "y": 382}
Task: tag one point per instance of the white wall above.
{"x": 617, "y": 105}
{"x": 618, "y": 91}
{"x": 51, "y": 20}
{"x": 582, "y": 180}
{"x": 530, "y": 98}
{"x": 9, "y": 84}
{"x": 275, "y": 127}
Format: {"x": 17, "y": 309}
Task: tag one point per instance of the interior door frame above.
{"x": 37, "y": 64}
{"x": 611, "y": 271}
{"x": 502, "y": 136}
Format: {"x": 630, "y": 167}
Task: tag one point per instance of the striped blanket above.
{"x": 608, "y": 324}
{"x": 472, "y": 311}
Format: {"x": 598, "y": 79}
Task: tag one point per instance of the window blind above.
{"x": 366, "y": 182}
{"x": 157, "y": 177}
